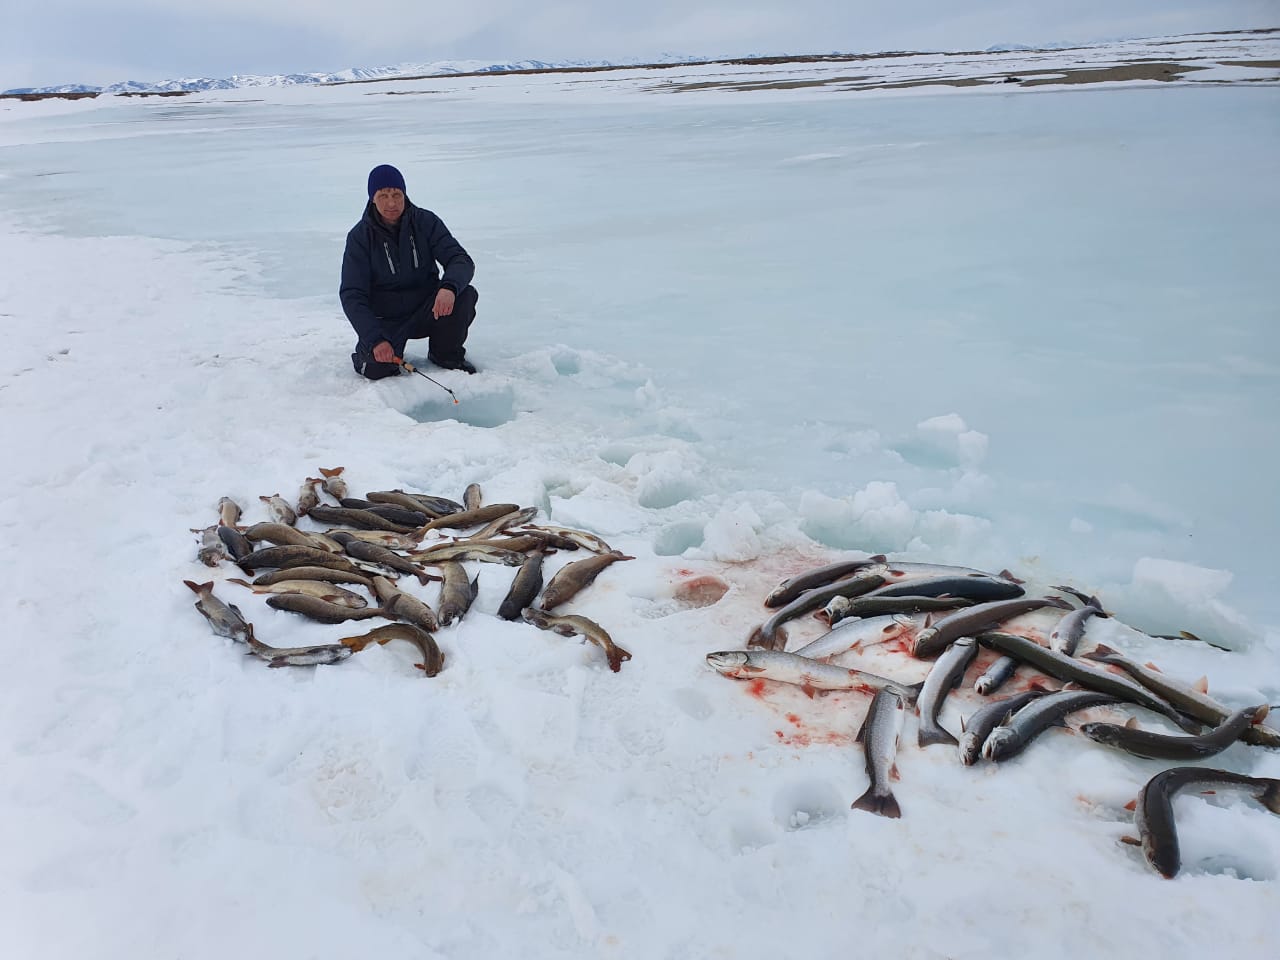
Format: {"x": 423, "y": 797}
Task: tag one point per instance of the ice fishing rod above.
{"x": 412, "y": 369}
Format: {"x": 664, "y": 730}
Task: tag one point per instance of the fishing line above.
{"x": 412, "y": 369}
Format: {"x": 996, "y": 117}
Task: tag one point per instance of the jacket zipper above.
{"x": 413, "y": 243}
{"x": 391, "y": 263}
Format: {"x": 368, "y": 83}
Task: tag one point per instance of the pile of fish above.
{"x": 947, "y": 614}
{"x": 372, "y": 542}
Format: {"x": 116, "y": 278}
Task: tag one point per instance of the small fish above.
{"x": 574, "y": 577}
{"x": 283, "y": 534}
{"x": 319, "y": 610}
{"x": 280, "y": 510}
{"x": 237, "y": 543}
{"x": 432, "y": 658}
{"x": 792, "y": 587}
{"x": 388, "y": 511}
{"x": 499, "y": 524}
{"x": 998, "y": 674}
{"x": 471, "y": 497}
{"x": 457, "y": 593}
{"x": 770, "y": 634}
{"x": 849, "y": 634}
{"x": 307, "y": 497}
{"x": 976, "y": 729}
{"x": 1158, "y": 746}
{"x": 328, "y": 592}
{"x": 212, "y": 550}
{"x": 573, "y": 625}
{"x": 524, "y": 587}
{"x": 358, "y": 518}
{"x": 324, "y": 574}
{"x": 1016, "y": 733}
{"x": 588, "y": 541}
{"x": 374, "y": 553}
{"x": 333, "y": 483}
{"x": 403, "y": 606}
{"x": 879, "y": 737}
{"x": 803, "y": 672}
{"x": 320, "y": 653}
{"x": 870, "y": 605}
{"x": 467, "y": 551}
{"x": 948, "y": 670}
{"x": 984, "y": 616}
{"x": 228, "y": 512}
{"x": 472, "y": 518}
{"x": 1153, "y": 813}
{"x": 1066, "y": 635}
{"x": 225, "y": 618}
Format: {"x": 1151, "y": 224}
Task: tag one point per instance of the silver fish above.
{"x": 998, "y": 674}
{"x": 1015, "y": 734}
{"x": 225, "y": 618}
{"x": 461, "y": 552}
{"x": 280, "y": 510}
{"x": 849, "y": 634}
{"x": 588, "y": 541}
{"x": 803, "y": 672}
{"x": 1153, "y": 813}
{"x": 870, "y": 605}
{"x": 457, "y": 593}
{"x": 984, "y": 616}
{"x": 1158, "y": 746}
{"x": 328, "y": 592}
{"x": 879, "y": 736}
{"x": 948, "y": 670}
{"x": 572, "y": 625}
{"x": 1066, "y": 635}
{"x": 505, "y": 522}
{"x": 575, "y": 576}
{"x": 319, "y": 653}
{"x": 792, "y": 587}
{"x": 770, "y": 634}
{"x": 978, "y": 726}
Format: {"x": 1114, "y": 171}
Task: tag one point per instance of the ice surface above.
{"x": 732, "y": 335}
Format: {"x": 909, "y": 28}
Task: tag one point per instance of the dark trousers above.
{"x": 445, "y": 335}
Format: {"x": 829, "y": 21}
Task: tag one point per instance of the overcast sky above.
{"x": 47, "y": 42}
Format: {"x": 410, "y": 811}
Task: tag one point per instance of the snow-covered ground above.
{"x": 735, "y": 333}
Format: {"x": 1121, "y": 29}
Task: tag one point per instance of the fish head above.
{"x": 1100, "y": 732}
{"x": 970, "y": 749}
{"x": 999, "y": 741}
{"x": 729, "y": 662}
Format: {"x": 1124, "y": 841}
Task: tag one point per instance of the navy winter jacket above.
{"x": 389, "y": 273}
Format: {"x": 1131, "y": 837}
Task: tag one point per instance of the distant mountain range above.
{"x": 354, "y": 74}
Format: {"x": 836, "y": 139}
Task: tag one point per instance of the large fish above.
{"x": 388, "y": 511}
{"x": 505, "y": 522}
{"x": 1191, "y": 700}
{"x": 404, "y": 606}
{"x": 462, "y": 551}
{"x": 870, "y": 605}
{"x": 803, "y": 672}
{"x": 948, "y": 670}
{"x": 984, "y": 616}
{"x": 293, "y": 555}
{"x": 328, "y": 592}
{"x": 1159, "y": 746}
{"x": 770, "y": 634}
{"x": 1016, "y": 733}
{"x": 524, "y": 587}
{"x": 850, "y": 634}
{"x": 1153, "y": 813}
{"x": 322, "y": 611}
{"x": 588, "y": 541}
{"x": 1070, "y": 670}
{"x": 312, "y": 573}
{"x": 879, "y": 735}
{"x": 435, "y": 506}
{"x": 282, "y": 534}
{"x": 792, "y": 587}
{"x": 375, "y": 553}
{"x": 978, "y": 726}
{"x": 310, "y": 656}
{"x": 572, "y": 625}
{"x": 472, "y": 518}
{"x": 574, "y": 577}
{"x": 225, "y": 618}
{"x": 432, "y": 659}
{"x": 280, "y": 509}
{"x": 359, "y": 518}
{"x": 978, "y": 588}
{"x": 456, "y": 594}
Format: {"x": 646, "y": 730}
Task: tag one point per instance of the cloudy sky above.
{"x": 46, "y": 42}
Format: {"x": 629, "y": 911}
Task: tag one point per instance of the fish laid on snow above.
{"x": 524, "y": 587}
{"x": 1016, "y": 733}
{"x": 850, "y": 634}
{"x": 770, "y": 635}
{"x": 282, "y": 534}
{"x": 1071, "y": 670}
{"x": 1153, "y": 813}
{"x": 312, "y": 573}
{"x": 322, "y": 611}
{"x": 505, "y": 522}
{"x": 358, "y": 518}
{"x": 792, "y": 587}
{"x": 472, "y": 518}
{"x": 212, "y": 550}
{"x": 575, "y": 576}
{"x": 432, "y": 659}
{"x": 870, "y": 605}
{"x": 998, "y": 674}
{"x": 879, "y": 736}
{"x": 1066, "y": 635}
{"x": 333, "y": 483}
{"x": 979, "y": 589}
{"x": 803, "y": 672}
{"x": 307, "y": 497}
{"x": 978, "y": 726}
{"x": 237, "y": 544}
{"x": 388, "y": 511}
{"x": 328, "y": 592}
{"x": 463, "y": 551}
{"x": 403, "y": 606}
{"x": 228, "y": 512}
{"x": 375, "y": 553}
{"x": 225, "y": 618}
{"x": 294, "y": 555}
{"x": 572, "y": 625}
{"x": 948, "y": 670}
{"x": 1159, "y": 746}
{"x": 471, "y": 497}
{"x": 984, "y": 616}
{"x": 588, "y": 541}
{"x": 1190, "y": 699}
{"x": 280, "y": 509}
{"x": 320, "y": 653}
{"x": 457, "y": 593}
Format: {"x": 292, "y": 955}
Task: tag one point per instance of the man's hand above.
{"x": 444, "y": 303}
{"x": 384, "y": 353}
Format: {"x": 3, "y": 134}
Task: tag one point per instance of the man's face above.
{"x": 390, "y": 204}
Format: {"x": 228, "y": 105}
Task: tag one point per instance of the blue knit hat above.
{"x": 383, "y": 176}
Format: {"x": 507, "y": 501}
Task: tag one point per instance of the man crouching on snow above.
{"x": 391, "y": 290}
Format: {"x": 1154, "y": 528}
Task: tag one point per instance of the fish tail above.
{"x": 911, "y": 692}
{"x": 882, "y": 805}
{"x": 1270, "y": 797}
{"x": 200, "y": 588}
{"x": 929, "y": 736}
{"x": 331, "y": 473}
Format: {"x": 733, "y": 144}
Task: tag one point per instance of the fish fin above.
{"x": 277, "y": 663}
{"x": 927, "y": 737}
{"x": 243, "y": 583}
{"x": 331, "y": 473}
{"x": 1006, "y": 575}
{"x": 1151, "y": 666}
{"x": 757, "y": 639}
{"x": 1131, "y": 723}
{"x": 1260, "y": 712}
{"x": 1131, "y": 841}
{"x": 883, "y": 806}
{"x": 962, "y": 725}
{"x": 1201, "y": 685}
{"x": 1270, "y": 797}
{"x": 200, "y": 588}
{"x": 879, "y": 558}
{"x": 1188, "y": 635}
{"x": 913, "y": 691}
{"x": 1131, "y": 805}
{"x": 893, "y": 773}
{"x": 1058, "y": 602}
{"x": 1208, "y": 793}
{"x": 862, "y": 727}
{"x": 807, "y": 690}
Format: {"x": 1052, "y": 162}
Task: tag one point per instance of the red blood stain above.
{"x": 703, "y": 590}
{"x": 756, "y": 688}
{"x": 792, "y": 718}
